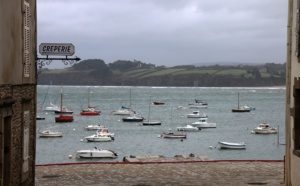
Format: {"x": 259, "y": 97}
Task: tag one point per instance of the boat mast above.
{"x": 238, "y": 100}
{"x": 129, "y": 99}
{"x": 149, "y": 109}
{"x": 171, "y": 119}
{"x": 45, "y": 97}
{"x": 61, "y": 97}
{"x": 89, "y": 97}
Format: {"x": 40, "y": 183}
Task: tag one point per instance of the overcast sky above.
{"x": 167, "y": 32}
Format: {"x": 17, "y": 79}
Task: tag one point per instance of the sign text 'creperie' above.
{"x": 58, "y": 49}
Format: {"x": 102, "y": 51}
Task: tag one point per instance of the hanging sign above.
{"x": 57, "y": 49}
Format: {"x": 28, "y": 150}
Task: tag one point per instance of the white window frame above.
{"x": 26, "y": 121}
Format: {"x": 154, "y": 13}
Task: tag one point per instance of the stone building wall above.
{"x": 20, "y": 98}
{"x": 18, "y": 36}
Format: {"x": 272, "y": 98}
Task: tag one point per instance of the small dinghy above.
{"x": 172, "y": 135}
{"x": 96, "y": 153}
{"x": 229, "y": 145}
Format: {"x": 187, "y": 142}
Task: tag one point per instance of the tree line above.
{"x": 137, "y": 73}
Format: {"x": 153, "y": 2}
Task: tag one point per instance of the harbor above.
{"x": 134, "y": 139}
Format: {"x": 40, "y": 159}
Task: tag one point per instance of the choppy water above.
{"x": 132, "y": 139}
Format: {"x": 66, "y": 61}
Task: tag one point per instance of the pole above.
{"x": 278, "y": 136}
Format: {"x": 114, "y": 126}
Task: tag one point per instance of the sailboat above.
{"x": 124, "y": 110}
{"x": 63, "y": 118}
{"x": 199, "y": 103}
{"x": 241, "y": 109}
{"x": 172, "y": 134}
{"x": 52, "y": 106}
{"x": 148, "y": 122}
{"x": 90, "y": 111}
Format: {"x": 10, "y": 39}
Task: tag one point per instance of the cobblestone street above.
{"x": 196, "y": 173}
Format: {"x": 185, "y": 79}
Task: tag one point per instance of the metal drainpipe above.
{"x": 287, "y": 170}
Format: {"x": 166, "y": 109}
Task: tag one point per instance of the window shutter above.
{"x": 26, "y": 141}
{"x": 26, "y": 39}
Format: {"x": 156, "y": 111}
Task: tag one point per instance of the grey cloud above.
{"x": 170, "y": 32}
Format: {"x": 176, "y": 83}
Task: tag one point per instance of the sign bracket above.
{"x": 42, "y": 61}
{"x": 47, "y": 60}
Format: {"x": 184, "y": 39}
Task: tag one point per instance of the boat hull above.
{"x": 129, "y": 119}
{"x": 173, "y": 136}
{"x": 62, "y": 119}
{"x": 241, "y": 110}
{"x": 93, "y": 127}
{"x": 123, "y": 112}
{"x": 63, "y": 112}
{"x": 96, "y": 154}
{"x": 95, "y": 138}
{"x": 158, "y": 103}
{"x": 40, "y": 118}
{"x": 265, "y": 131}
{"x": 227, "y": 145}
{"x": 146, "y": 123}
{"x": 89, "y": 113}
{"x": 50, "y": 135}
{"x": 204, "y": 125}
{"x": 196, "y": 116}
{"x": 187, "y": 129}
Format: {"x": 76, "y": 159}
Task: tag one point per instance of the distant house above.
{"x": 262, "y": 69}
{"x": 17, "y": 92}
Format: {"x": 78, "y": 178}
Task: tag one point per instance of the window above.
{"x": 296, "y": 114}
{"x": 26, "y": 121}
{"x": 26, "y": 39}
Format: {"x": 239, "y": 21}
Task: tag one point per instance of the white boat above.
{"x": 123, "y": 112}
{"x": 99, "y": 138}
{"x": 105, "y": 132}
{"x": 196, "y": 114}
{"x": 198, "y": 104}
{"x": 96, "y": 153}
{"x": 264, "y": 128}
{"x": 52, "y": 107}
{"x": 188, "y": 128}
{"x": 48, "y": 133}
{"x": 182, "y": 107}
{"x": 152, "y": 122}
{"x": 229, "y": 145}
{"x": 94, "y": 127}
{"x": 202, "y": 123}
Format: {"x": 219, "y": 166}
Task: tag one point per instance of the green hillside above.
{"x": 136, "y": 73}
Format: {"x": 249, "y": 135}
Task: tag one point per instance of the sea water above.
{"x": 133, "y": 139}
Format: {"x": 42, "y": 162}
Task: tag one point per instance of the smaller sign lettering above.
{"x": 58, "y": 49}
